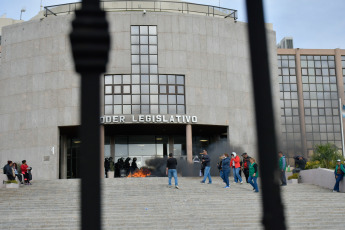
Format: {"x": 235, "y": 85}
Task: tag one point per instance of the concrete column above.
{"x": 63, "y": 158}
{"x": 101, "y": 153}
{"x": 189, "y": 143}
{"x": 171, "y": 145}
{"x": 301, "y": 102}
{"x": 112, "y": 147}
{"x": 340, "y": 83}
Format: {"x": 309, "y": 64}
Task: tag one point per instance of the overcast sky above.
{"x": 313, "y": 24}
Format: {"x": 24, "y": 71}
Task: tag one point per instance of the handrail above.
{"x": 148, "y": 5}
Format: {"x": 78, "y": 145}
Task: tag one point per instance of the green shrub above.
{"x": 11, "y": 182}
{"x": 293, "y": 176}
{"x": 313, "y": 165}
{"x": 327, "y": 154}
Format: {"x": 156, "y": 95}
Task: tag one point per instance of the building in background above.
{"x": 286, "y": 43}
{"x": 178, "y": 80}
{"x": 311, "y": 98}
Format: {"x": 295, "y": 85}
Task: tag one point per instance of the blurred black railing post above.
{"x": 273, "y": 211}
{"x": 90, "y": 46}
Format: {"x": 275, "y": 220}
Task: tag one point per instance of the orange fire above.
{"x": 143, "y": 172}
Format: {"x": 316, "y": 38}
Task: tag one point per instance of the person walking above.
{"x": 171, "y": 169}
{"x": 253, "y": 174}
{"x": 236, "y": 166}
{"x": 282, "y": 168}
{"x": 207, "y": 162}
{"x": 339, "y": 174}
{"x": 226, "y": 170}
{"x": 245, "y": 165}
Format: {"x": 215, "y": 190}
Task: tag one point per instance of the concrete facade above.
{"x": 39, "y": 90}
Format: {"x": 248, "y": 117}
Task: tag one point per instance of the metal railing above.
{"x": 148, "y": 6}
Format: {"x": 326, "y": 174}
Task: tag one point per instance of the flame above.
{"x": 143, "y": 172}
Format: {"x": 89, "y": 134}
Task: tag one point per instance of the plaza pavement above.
{"x": 148, "y": 203}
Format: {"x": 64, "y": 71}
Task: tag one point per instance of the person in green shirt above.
{"x": 253, "y": 174}
{"x": 282, "y": 168}
{"x": 339, "y": 174}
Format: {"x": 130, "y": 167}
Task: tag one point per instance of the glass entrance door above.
{"x": 73, "y": 155}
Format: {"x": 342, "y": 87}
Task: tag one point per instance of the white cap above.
{"x": 233, "y": 153}
{"x": 338, "y": 160}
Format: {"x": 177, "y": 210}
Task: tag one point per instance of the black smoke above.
{"x": 158, "y": 165}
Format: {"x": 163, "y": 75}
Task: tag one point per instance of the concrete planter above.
{"x": 322, "y": 177}
{"x": 12, "y": 185}
{"x": 293, "y": 181}
{"x": 110, "y": 174}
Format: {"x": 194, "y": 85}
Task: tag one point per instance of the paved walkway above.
{"x": 148, "y": 203}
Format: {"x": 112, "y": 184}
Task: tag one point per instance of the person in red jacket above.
{"x": 236, "y": 167}
{"x": 24, "y": 167}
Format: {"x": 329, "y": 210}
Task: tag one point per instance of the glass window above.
{"x": 145, "y": 99}
{"x": 144, "y": 59}
{"x": 154, "y": 89}
{"x": 108, "y": 90}
{"x": 171, "y": 89}
{"x": 172, "y": 109}
{"x": 154, "y": 99}
{"x": 153, "y": 40}
{"x": 135, "y": 99}
{"x": 180, "y": 99}
{"x": 145, "y": 109}
{"x": 135, "y": 49}
{"x": 162, "y": 89}
{"x": 134, "y": 30}
{"x": 172, "y": 99}
{"x": 127, "y": 99}
{"x": 153, "y": 49}
{"x": 162, "y": 79}
{"x": 153, "y": 79}
{"x": 144, "y": 40}
{"x": 108, "y": 79}
{"x": 145, "y": 89}
{"x": 144, "y": 30}
{"x": 153, "y": 59}
{"x": 135, "y": 40}
{"x": 163, "y": 109}
{"x": 135, "y": 59}
{"x": 163, "y": 99}
{"x": 126, "y": 89}
{"x": 135, "y": 79}
{"x": 144, "y": 49}
{"x": 117, "y": 89}
{"x": 127, "y": 109}
{"x": 152, "y": 30}
{"x": 117, "y": 99}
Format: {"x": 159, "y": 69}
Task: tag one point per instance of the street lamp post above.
{"x": 22, "y": 11}
{"x": 90, "y": 41}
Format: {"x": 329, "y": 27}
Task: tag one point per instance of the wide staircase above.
{"x": 148, "y": 203}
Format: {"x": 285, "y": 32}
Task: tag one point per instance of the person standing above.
{"x": 25, "y": 172}
{"x": 171, "y": 169}
{"x": 236, "y": 166}
{"x": 219, "y": 166}
{"x": 282, "y": 168}
{"x": 207, "y": 162}
{"x": 245, "y": 166}
{"x": 226, "y": 170}
{"x": 339, "y": 174}
{"x": 253, "y": 174}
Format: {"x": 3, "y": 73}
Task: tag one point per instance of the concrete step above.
{"x": 148, "y": 203}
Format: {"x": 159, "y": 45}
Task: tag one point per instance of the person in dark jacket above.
{"x": 253, "y": 174}
{"x": 226, "y": 170}
{"x": 339, "y": 174}
{"x": 171, "y": 169}
{"x": 134, "y": 165}
{"x": 300, "y": 163}
{"x": 245, "y": 165}
{"x": 9, "y": 171}
{"x": 219, "y": 166}
{"x": 207, "y": 161}
{"x": 106, "y": 166}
